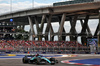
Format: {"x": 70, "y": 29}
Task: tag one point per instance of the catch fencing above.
{"x": 51, "y": 50}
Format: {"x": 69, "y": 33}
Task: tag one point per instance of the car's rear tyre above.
{"x": 25, "y": 60}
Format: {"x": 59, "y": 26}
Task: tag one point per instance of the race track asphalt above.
{"x": 18, "y": 62}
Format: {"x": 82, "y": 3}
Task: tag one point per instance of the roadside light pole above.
{"x": 32, "y": 3}
{"x": 11, "y": 6}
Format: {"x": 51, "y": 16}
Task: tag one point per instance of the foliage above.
{"x": 22, "y": 34}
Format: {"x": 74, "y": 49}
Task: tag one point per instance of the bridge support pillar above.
{"x": 48, "y": 19}
{"x": 51, "y": 33}
{"x": 73, "y": 33}
{"x": 61, "y": 27}
{"x": 31, "y": 27}
{"x": 88, "y": 29}
{"x": 83, "y": 31}
{"x": 97, "y": 30}
{"x": 40, "y": 29}
{"x": 37, "y": 26}
{"x": 99, "y": 33}
{"x": 42, "y": 25}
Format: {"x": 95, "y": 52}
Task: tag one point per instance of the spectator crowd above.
{"x": 12, "y": 44}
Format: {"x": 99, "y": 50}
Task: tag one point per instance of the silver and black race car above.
{"x": 39, "y": 59}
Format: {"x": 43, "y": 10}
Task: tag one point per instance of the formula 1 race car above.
{"x": 38, "y": 59}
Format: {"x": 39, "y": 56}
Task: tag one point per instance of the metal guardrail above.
{"x": 64, "y": 50}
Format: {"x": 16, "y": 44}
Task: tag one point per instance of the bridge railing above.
{"x": 25, "y": 9}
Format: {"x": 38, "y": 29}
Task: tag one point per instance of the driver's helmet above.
{"x": 37, "y": 55}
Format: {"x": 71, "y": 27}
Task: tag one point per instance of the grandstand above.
{"x": 6, "y": 30}
{"x": 22, "y": 45}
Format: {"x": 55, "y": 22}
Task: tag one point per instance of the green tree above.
{"x": 23, "y": 35}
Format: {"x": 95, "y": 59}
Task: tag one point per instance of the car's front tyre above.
{"x": 25, "y": 60}
{"x": 52, "y": 61}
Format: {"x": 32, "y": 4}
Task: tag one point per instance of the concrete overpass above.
{"x": 72, "y": 13}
